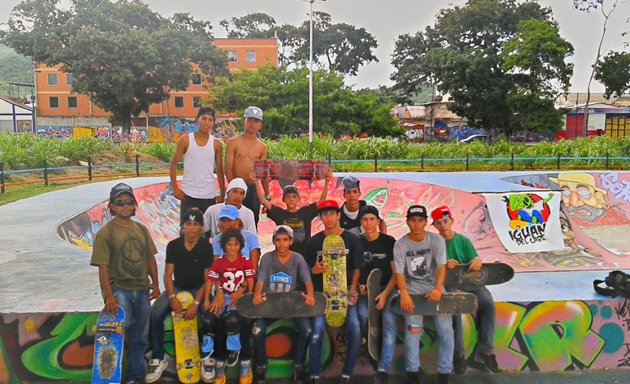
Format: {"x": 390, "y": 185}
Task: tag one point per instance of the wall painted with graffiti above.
{"x": 538, "y": 336}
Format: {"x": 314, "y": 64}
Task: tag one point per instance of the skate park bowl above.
{"x": 558, "y": 230}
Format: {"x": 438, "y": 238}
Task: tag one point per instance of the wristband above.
{"x": 219, "y": 289}
{"x": 268, "y": 197}
{"x": 196, "y": 302}
{"x": 171, "y": 296}
{"x": 438, "y": 289}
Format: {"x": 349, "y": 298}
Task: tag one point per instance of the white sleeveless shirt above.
{"x": 198, "y": 180}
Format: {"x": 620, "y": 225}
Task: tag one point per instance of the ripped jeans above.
{"x": 444, "y": 325}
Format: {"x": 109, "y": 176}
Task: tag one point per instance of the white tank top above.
{"x": 198, "y": 181}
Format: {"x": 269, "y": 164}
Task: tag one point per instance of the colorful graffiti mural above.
{"x": 534, "y": 336}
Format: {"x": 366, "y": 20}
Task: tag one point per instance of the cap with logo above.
{"x": 254, "y": 113}
{"x": 282, "y": 230}
{"x": 440, "y": 213}
{"x": 350, "y": 182}
{"x": 119, "y": 189}
{"x": 327, "y": 205}
{"x": 417, "y": 210}
{"x": 194, "y": 214}
{"x": 229, "y": 212}
{"x": 290, "y": 189}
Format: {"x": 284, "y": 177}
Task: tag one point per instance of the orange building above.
{"x": 56, "y": 99}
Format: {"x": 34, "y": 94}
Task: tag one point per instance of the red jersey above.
{"x": 231, "y": 273}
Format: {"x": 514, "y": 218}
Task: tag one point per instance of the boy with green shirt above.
{"x": 460, "y": 250}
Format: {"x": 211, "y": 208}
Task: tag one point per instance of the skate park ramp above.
{"x": 548, "y": 317}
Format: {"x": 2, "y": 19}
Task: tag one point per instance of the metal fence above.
{"x": 91, "y": 171}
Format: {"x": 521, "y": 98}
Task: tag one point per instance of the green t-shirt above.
{"x": 126, "y": 251}
{"x": 460, "y": 248}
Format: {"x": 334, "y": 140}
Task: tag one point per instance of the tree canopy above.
{"x": 281, "y": 93}
{"x": 614, "y": 72}
{"x": 340, "y": 47}
{"x": 493, "y": 58}
{"x": 121, "y": 53}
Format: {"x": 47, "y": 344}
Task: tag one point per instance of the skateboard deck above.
{"x": 280, "y": 305}
{"x": 490, "y": 274}
{"x": 450, "y": 304}
{"x": 374, "y": 315}
{"x": 335, "y": 280}
{"x": 291, "y": 169}
{"x": 109, "y": 339}
{"x": 187, "y": 355}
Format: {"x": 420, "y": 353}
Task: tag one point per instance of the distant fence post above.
{"x": 512, "y": 162}
{"x": 330, "y": 160}
{"x": 422, "y": 161}
{"x": 2, "y": 178}
{"x": 46, "y": 172}
{"x": 467, "y": 162}
{"x": 558, "y": 162}
{"x": 375, "y": 163}
{"x": 137, "y": 165}
{"x": 607, "y": 159}
{"x": 90, "y": 168}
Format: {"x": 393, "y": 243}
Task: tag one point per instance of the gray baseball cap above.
{"x": 254, "y": 113}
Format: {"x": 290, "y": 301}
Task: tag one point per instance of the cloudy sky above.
{"x": 386, "y": 20}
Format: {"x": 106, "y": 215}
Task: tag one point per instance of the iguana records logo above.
{"x": 528, "y": 213}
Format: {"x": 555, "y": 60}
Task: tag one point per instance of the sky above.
{"x": 386, "y": 20}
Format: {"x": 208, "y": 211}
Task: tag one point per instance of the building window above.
{"x": 54, "y": 101}
{"x": 251, "y": 56}
{"x": 52, "y": 79}
{"x": 196, "y": 78}
{"x": 196, "y": 101}
{"x": 232, "y": 56}
{"x": 72, "y": 101}
{"x": 179, "y": 102}
{"x": 70, "y": 79}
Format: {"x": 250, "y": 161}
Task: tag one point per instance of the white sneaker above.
{"x": 207, "y": 369}
{"x": 154, "y": 372}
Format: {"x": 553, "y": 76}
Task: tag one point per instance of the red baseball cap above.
{"x": 328, "y": 205}
{"x": 441, "y": 212}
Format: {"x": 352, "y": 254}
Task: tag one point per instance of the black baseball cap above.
{"x": 368, "y": 209}
{"x": 417, "y": 210}
{"x": 119, "y": 189}
{"x": 290, "y": 189}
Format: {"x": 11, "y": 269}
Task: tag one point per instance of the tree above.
{"x": 587, "y": 6}
{"x": 343, "y": 48}
{"x": 484, "y": 54}
{"x": 123, "y": 55}
{"x": 281, "y": 93}
{"x": 614, "y": 72}
{"x": 14, "y": 68}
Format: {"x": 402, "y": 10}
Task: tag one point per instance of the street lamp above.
{"x": 310, "y": 82}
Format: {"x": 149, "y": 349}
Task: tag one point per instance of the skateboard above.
{"x": 109, "y": 339}
{"x": 291, "y": 169}
{"x": 280, "y": 305}
{"x": 374, "y": 315}
{"x": 490, "y": 274}
{"x": 450, "y": 304}
{"x": 335, "y": 280}
{"x": 187, "y": 355}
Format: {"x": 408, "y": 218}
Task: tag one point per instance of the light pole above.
{"x": 310, "y": 82}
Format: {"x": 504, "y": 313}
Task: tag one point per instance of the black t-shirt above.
{"x": 299, "y": 221}
{"x": 189, "y": 265}
{"x": 378, "y": 253}
{"x": 347, "y": 223}
{"x": 354, "y": 255}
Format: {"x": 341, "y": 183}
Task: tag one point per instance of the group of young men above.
{"x": 220, "y": 271}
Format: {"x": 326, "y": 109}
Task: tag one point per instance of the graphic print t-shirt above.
{"x": 299, "y": 222}
{"x": 231, "y": 273}
{"x": 418, "y": 261}
{"x": 278, "y": 277}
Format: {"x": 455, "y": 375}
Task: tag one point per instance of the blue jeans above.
{"x": 259, "y": 334}
{"x": 233, "y": 341}
{"x": 159, "y": 310}
{"x": 353, "y": 339}
{"x": 316, "y": 344}
{"x": 444, "y": 325}
{"x": 390, "y": 332}
{"x": 137, "y": 312}
{"x": 486, "y": 314}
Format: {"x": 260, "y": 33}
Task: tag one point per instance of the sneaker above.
{"x": 245, "y": 376}
{"x": 207, "y": 369}
{"x": 344, "y": 379}
{"x": 413, "y": 377}
{"x": 232, "y": 358}
{"x": 313, "y": 380}
{"x": 219, "y": 370}
{"x": 299, "y": 375}
{"x": 155, "y": 370}
{"x": 490, "y": 361}
{"x": 381, "y": 378}
{"x": 443, "y": 378}
{"x": 261, "y": 375}
{"x": 459, "y": 364}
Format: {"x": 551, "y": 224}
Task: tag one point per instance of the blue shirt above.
{"x": 251, "y": 243}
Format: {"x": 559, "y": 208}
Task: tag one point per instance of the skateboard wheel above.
{"x": 94, "y": 329}
{"x": 119, "y": 330}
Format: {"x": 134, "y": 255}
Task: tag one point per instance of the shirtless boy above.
{"x": 241, "y": 153}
